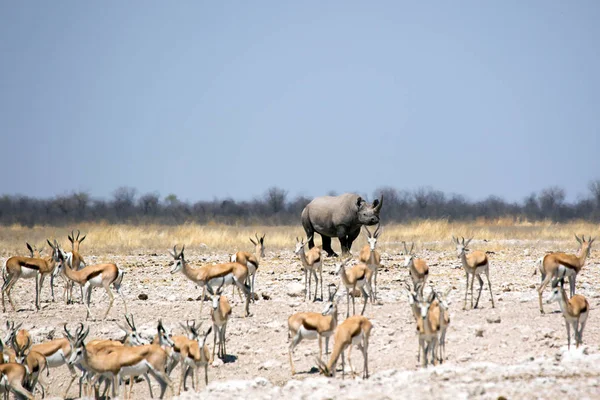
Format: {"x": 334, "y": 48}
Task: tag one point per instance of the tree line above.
{"x": 275, "y": 207}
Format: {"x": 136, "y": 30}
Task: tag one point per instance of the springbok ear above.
{"x": 82, "y": 239}
{"x": 29, "y": 247}
{"x": 253, "y": 242}
{"x": 577, "y": 238}
{"x": 70, "y": 238}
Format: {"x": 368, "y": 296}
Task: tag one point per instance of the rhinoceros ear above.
{"x": 359, "y": 201}
{"x": 377, "y": 203}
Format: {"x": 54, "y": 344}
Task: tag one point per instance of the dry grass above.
{"x": 123, "y": 239}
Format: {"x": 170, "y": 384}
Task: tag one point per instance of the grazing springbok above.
{"x": 91, "y": 276}
{"x": 474, "y": 264}
{"x": 251, "y": 260}
{"x": 554, "y": 265}
{"x": 122, "y": 362}
{"x": 355, "y": 330}
{"x": 356, "y": 277}
{"x": 208, "y": 275}
{"x": 312, "y": 325}
{"x": 575, "y": 310}
{"x": 312, "y": 262}
{"x": 371, "y": 257}
{"x": 417, "y": 267}
{"x": 27, "y": 268}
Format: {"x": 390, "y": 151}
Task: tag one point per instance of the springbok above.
{"x": 417, "y": 267}
{"x": 209, "y": 275}
{"x": 575, "y": 310}
{"x": 444, "y": 322}
{"x": 312, "y": 325}
{"x": 474, "y": 264}
{"x": 198, "y": 357}
{"x": 77, "y": 262}
{"x": 312, "y": 262}
{"x": 121, "y": 362}
{"x": 34, "y": 363}
{"x": 221, "y": 310}
{"x": 371, "y": 257}
{"x": 13, "y": 377}
{"x": 428, "y": 325}
{"x": 356, "y": 277}
{"x": 554, "y": 265}
{"x": 355, "y": 330}
{"x": 27, "y": 268}
{"x": 100, "y": 275}
{"x": 251, "y": 260}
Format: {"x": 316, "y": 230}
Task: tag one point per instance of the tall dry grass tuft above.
{"x": 124, "y": 239}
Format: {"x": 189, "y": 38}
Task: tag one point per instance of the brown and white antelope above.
{"x": 417, "y": 267}
{"x": 312, "y": 262}
{"x": 554, "y": 265}
{"x": 77, "y": 263}
{"x": 428, "y": 325}
{"x": 312, "y": 325}
{"x": 220, "y": 312}
{"x": 444, "y": 322}
{"x": 251, "y": 260}
{"x": 575, "y": 310}
{"x": 474, "y": 264}
{"x": 371, "y": 257}
{"x": 122, "y": 362}
{"x": 27, "y": 268}
{"x": 356, "y": 331}
{"x": 34, "y": 362}
{"x": 91, "y": 276}
{"x": 357, "y": 277}
{"x": 198, "y": 357}
{"x": 13, "y": 378}
{"x": 208, "y": 276}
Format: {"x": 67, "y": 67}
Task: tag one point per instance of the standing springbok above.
{"x": 312, "y": 262}
{"x": 444, "y": 322}
{"x": 428, "y": 325}
{"x": 209, "y": 275}
{"x": 251, "y": 260}
{"x": 575, "y": 310}
{"x": 13, "y": 377}
{"x": 417, "y": 267}
{"x": 356, "y": 277}
{"x": 27, "y": 268}
{"x": 371, "y": 257}
{"x": 221, "y": 310}
{"x": 34, "y": 364}
{"x": 554, "y": 265}
{"x": 122, "y": 362}
{"x": 312, "y": 325}
{"x": 474, "y": 264}
{"x": 77, "y": 262}
{"x": 100, "y": 275}
{"x": 198, "y": 357}
{"x": 355, "y": 330}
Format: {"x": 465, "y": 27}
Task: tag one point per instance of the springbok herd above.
{"x": 97, "y": 361}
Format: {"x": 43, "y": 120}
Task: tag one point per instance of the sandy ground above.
{"x": 511, "y": 350}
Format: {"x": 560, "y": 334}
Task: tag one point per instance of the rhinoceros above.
{"x": 339, "y": 216}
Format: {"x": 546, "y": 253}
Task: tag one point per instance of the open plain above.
{"x": 510, "y": 350}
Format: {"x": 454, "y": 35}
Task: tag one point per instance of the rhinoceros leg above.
{"x": 349, "y": 240}
{"x": 327, "y": 246}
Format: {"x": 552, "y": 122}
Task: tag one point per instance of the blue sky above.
{"x": 226, "y": 99}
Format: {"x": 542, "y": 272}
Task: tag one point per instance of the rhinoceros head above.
{"x": 368, "y": 214}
